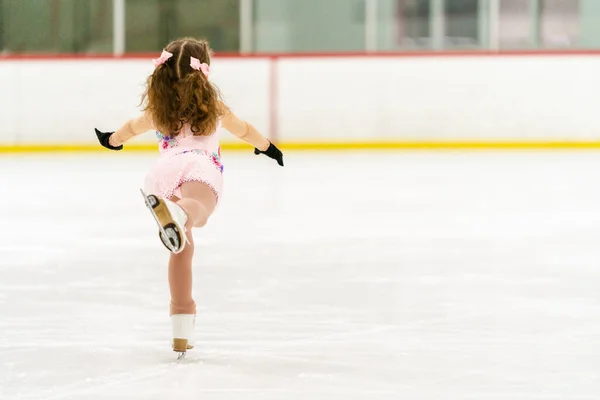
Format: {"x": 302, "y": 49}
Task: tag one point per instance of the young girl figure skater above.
{"x": 185, "y": 184}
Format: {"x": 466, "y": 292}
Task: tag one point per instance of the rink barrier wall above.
{"x": 460, "y": 100}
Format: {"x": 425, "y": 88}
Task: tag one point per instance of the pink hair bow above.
{"x": 204, "y": 67}
{"x": 165, "y": 55}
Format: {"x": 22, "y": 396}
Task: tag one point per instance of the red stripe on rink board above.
{"x": 424, "y": 54}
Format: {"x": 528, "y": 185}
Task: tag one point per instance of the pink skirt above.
{"x": 171, "y": 170}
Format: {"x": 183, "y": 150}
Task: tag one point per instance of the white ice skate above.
{"x": 183, "y": 332}
{"x": 171, "y": 220}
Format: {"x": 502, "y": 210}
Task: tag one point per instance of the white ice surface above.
{"x": 341, "y": 276}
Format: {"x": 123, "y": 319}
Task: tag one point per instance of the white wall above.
{"x": 52, "y": 101}
{"x": 446, "y": 98}
{"x": 324, "y": 99}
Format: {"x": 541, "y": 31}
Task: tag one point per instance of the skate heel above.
{"x": 170, "y": 219}
{"x": 183, "y": 330}
{"x": 180, "y": 345}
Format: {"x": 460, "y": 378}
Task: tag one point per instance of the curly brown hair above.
{"x": 176, "y": 94}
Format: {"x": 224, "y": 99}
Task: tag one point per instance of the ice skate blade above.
{"x": 169, "y": 234}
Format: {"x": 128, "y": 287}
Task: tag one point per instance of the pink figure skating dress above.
{"x": 186, "y": 158}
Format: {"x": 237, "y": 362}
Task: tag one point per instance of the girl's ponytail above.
{"x": 200, "y": 104}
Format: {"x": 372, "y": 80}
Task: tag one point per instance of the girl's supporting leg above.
{"x": 198, "y": 201}
{"x": 180, "y": 280}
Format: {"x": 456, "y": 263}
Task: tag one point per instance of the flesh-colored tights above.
{"x": 198, "y": 201}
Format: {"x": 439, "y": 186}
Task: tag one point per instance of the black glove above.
{"x": 272, "y": 152}
{"x": 103, "y": 139}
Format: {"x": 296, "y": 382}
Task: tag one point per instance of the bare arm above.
{"x": 130, "y": 129}
{"x": 244, "y": 130}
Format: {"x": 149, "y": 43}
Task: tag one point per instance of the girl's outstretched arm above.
{"x": 132, "y": 128}
{"x": 244, "y": 130}
{"x": 249, "y": 134}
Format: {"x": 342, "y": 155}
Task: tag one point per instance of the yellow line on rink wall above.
{"x": 426, "y": 145}
{"x": 324, "y": 146}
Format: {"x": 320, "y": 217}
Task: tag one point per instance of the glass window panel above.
{"x": 52, "y": 26}
{"x": 309, "y": 25}
{"x": 462, "y": 23}
{"x": 2, "y": 26}
{"x": 514, "y": 24}
{"x": 403, "y": 24}
{"x": 217, "y": 21}
{"x": 559, "y": 23}
{"x": 150, "y": 24}
{"x": 406, "y": 24}
{"x": 589, "y": 14}
{"x": 272, "y": 26}
{"x": 143, "y": 28}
